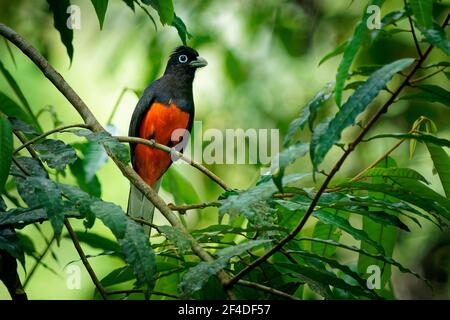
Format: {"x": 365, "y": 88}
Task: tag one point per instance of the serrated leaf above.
{"x": 343, "y": 224}
{"x": 441, "y": 162}
{"x": 325, "y": 231}
{"x": 6, "y": 151}
{"x": 356, "y": 104}
{"x": 197, "y": 276}
{"x": 309, "y": 113}
{"x": 423, "y": 11}
{"x": 284, "y": 159}
{"x": 118, "y": 149}
{"x": 21, "y": 126}
{"x": 44, "y": 193}
{"x": 181, "y": 189}
{"x": 60, "y": 16}
{"x": 100, "y": 7}
{"x": 437, "y": 36}
{"x": 252, "y": 201}
{"x": 180, "y": 240}
{"x": 112, "y": 216}
{"x": 20, "y": 217}
{"x": 139, "y": 255}
{"x": 56, "y": 153}
{"x": 98, "y": 242}
{"x": 81, "y": 201}
{"x": 350, "y": 52}
{"x": 430, "y": 93}
{"x": 395, "y": 173}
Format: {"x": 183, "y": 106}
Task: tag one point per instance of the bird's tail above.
{"x": 140, "y": 207}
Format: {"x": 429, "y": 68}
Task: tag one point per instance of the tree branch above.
{"x": 173, "y": 152}
{"x": 90, "y": 120}
{"x": 333, "y": 172}
{"x": 270, "y": 290}
{"x": 46, "y": 134}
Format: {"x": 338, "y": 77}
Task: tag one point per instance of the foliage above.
{"x": 358, "y": 217}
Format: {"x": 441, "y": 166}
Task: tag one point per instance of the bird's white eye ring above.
{"x": 183, "y": 58}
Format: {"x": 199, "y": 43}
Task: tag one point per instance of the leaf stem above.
{"x": 333, "y": 172}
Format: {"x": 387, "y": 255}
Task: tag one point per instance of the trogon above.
{"x": 165, "y": 108}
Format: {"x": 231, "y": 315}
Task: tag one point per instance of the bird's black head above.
{"x": 184, "y": 60}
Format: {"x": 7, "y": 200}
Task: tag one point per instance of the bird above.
{"x": 165, "y": 108}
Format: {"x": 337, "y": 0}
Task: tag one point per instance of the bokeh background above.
{"x": 263, "y": 68}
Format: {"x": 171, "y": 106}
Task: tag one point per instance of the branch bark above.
{"x": 336, "y": 168}
{"x": 90, "y": 120}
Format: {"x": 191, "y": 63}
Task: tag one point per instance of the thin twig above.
{"x": 416, "y": 42}
{"x": 156, "y": 293}
{"x": 176, "y": 154}
{"x": 333, "y": 172}
{"x": 38, "y": 261}
{"x": 427, "y": 76}
{"x": 85, "y": 261}
{"x": 46, "y": 134}
{"x": 90, "y": 120}
{"x": 270, "y": 290}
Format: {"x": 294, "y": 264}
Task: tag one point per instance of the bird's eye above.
{"x": 183, "y": 58}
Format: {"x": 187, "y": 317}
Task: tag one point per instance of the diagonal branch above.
{"x": 336, "y": 168}
{"x": 90, "y": 120}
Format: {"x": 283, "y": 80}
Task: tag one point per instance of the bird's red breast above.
{"x": 158, "y": 124}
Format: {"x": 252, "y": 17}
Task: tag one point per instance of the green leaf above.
{"x": 342, "y": 223}
{"x": 251, "y": 202}
{"x": 423, "y": 11}
{"x": 11, "y": 244}
{"x": 365, "y": 252}
{"x": 321, "y": 276}
{"x": 93, "y": 187}
{"x": 139, "y": 255}
{"x": 56, "y": 153}
{"x": 284, "y": 159}
{"x": 60, "y": 16}
{"x": 23, "y": 127}
{"x": 325, "y": 231}
{"x": 15, "y": 87}
{"x": 20, "y": 217}
{"x": 94, "y": 159}
{"x": 119, "y": 275}
{"x": 42, "y": 192}
{"x": 112, "y": 216}
{"x": 437, "y": 37}
{"x": 430, "y": 93}
{"x": 350, "y": 52}
{"x": 6, "y": 151}
{"x": 180, "y": 240}
{"x": 80, "y": 200}
{"x": 337, "y": 51}
{"x": 395, "y": 172}
{"x": 356, "y": 104}
{"x": 129, "y": 3}
{"x": 10, "y": 108}
{"x": 309, "y": 113}
{"x": 97, "y": 242}
{"x": 118, "y": 149}
{"x": 181, "y": 189}
{"x": 422, "y": 137}
{"x": 182, "y": 30}
{"x": 441, "y": 162}
{"x": 197, "y": 276}
{"x": 164, "y": 8}
{"x": 382, "y": 233}
{"x": 100, "y": 7}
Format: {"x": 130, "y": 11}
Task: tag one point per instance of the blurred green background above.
{"x": 263, "y": 68}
